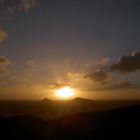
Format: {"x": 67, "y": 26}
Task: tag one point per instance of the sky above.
{"x": 92, "y": 46}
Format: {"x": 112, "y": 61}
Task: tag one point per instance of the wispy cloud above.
{"x": 4, "y": 71}
{"x": 30, "y": 63}
{"x": 3, "y": 35}
{"x": 115, "y": 86}
{"x": 9, "y": 8}
{"x": 4, "y": 60}
{"x": 27, "y": 5}
{"x": 121, "y": 85}
{"x": 30, "y": 68}
{"x": 57, "y": 85}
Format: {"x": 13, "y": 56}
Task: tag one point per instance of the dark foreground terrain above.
{"x": 50, "y": 110}
{"x": 122, "y": 123}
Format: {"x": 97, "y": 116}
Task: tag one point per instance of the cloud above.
{"x": 27, "y": 5}
{"x": 74, "y": 76}
{"x": 30, "y": 69}
{"x": 4, "y": 71}
{"x": 104, "y": 62}
{"x": 116, "y": 86}
{"x": 98, "y": 76}
{"x": 121, "y": 85}
{"x": 3, "y": 35}
{"x": 57, "y": 85}
{"x": 30, "y": 63}
{"x": 3, "y": 63}
{"x": 9, "y": 8}
{"x": 127, "y": 63}
{"x": 4, "y": 60}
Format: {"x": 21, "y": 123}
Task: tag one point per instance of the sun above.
{"x": 65, "y": 92}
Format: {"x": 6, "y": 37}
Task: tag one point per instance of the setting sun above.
{"x": 65, "y": 92}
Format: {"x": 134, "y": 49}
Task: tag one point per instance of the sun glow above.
{"x": 65, "y": 92}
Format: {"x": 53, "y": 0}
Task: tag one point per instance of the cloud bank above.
{"x": 127, "y": 63}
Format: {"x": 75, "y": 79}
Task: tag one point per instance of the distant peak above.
{"x": 81, "y": 99}
{"x": 46, "y": 100}
{"x": 78, "y": 98}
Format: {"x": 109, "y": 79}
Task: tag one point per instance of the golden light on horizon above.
{"x": 65, "y": 93}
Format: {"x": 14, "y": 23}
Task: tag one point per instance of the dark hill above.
{"x": 122, "y": 123}
{"x": 46, "y": 100}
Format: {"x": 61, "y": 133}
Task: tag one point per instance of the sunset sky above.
{"x": 92, "y": 46}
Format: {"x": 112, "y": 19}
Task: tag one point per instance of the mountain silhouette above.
{"x": 121, "y": 123}
{"x": 46, "y": 100}
{"x": 78, "y": 99}
{"x": 47, "y": 109}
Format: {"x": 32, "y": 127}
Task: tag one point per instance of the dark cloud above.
{"x": 98, "y": 76}
{"x": 128, "y": 63}
{"x": 4, "y": 60}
